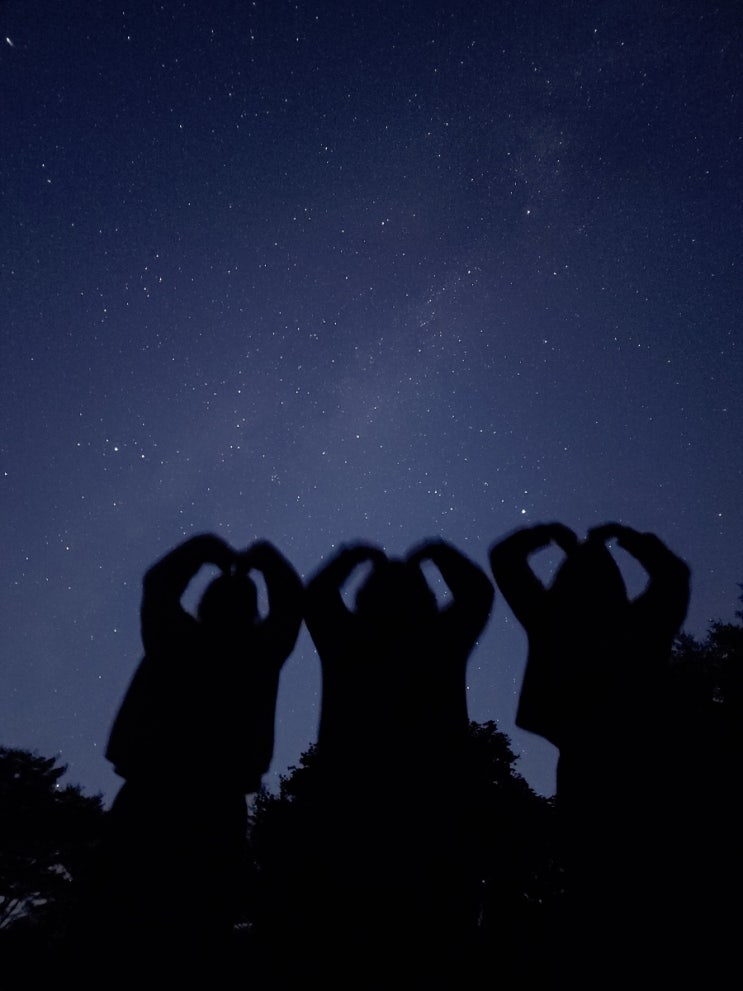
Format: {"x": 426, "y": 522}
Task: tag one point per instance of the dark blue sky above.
{"x": 320, "y": 271}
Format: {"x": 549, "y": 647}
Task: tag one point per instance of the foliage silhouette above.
{"x": 47, "y": 836}
{"x": 315, "y": 890}
{"x": 708, "y": 671}
{"x": 706, "y": 700}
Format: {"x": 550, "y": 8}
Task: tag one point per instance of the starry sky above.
{"x": 318, "y": 271}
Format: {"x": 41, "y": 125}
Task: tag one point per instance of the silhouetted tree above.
{"x": 706, "y": 702}
{"x": 510, "y": 842}
{"x": 47, "y": 835}
{"x": 500, "y": 851}
{"x": 709, "y": 671}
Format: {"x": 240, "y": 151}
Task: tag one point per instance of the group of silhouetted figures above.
{"x": 384, "y": 898}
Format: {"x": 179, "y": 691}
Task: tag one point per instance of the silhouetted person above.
{"x": 391, "y": 738}
{"x": 595, "y": 686}
{"x": 540, "y": 711}
{"x": 204, "y": 696}
{"x": 193, "y": 735}
{"x": 394, "y": 666}
{"x": 589, "y": 645}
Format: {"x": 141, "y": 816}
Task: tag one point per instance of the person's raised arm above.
{"x": 323, "y": 592}
{"x": 471, "y": 589}
{"x": 162, "y": 615}
{"x": 509, "y": 560}
{"x": 280, "y": 628}
{"x": 664, "y": 601}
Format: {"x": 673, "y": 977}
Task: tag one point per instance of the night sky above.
{"x": 320, "y": 271}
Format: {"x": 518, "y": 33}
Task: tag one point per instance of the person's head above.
{"x": 589, "y": 586}
{"x": 588, "y": 598}
{"x": 396, "y": 591}
{"x": 229, "y": 603}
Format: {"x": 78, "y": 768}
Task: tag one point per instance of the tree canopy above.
{"x": 47, "y": 833}
{"x": 472, "y": 871}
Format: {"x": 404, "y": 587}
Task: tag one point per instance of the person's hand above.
{"x": 259, "y": 556}
{"x": 646, "y": 548}
{"x": 521, "y": 588}
{"x": 428, "y": 550}
{"x": 528, "y": 540}
{"x": 171, "y": 575}
{"x": 360, "y": 552}
{"x": 162, "y": 615}
{"x": 662, "y": 606}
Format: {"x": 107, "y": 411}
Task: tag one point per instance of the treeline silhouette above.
{"x": 405, "y": 848}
